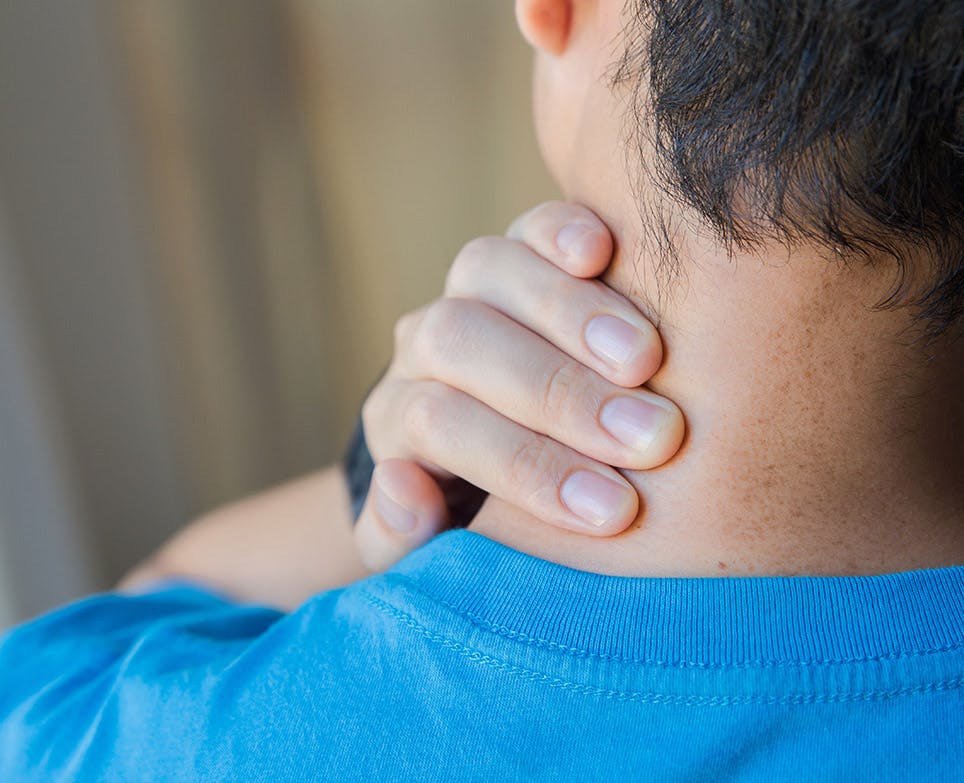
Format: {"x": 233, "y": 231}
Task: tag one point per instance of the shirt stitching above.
{"x": 653, "y": 697}
{"x": 519, "y": 636}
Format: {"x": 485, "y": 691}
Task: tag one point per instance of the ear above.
{"x": 545, "y": 23}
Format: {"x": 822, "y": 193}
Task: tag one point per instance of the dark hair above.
{"x": 835, "y": 121}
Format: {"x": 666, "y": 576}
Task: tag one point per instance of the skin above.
{"x": 525, "y": 424}
{"x": 276, "y": 548}
{"x": 453, "y": 403}
{"x": 821, "y": 440}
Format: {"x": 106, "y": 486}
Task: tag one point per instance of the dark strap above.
{"x": 464, "y": 500}
{"x": 359, "y": 467}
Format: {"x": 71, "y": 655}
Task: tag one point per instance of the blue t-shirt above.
{"x": 472, "y": 661}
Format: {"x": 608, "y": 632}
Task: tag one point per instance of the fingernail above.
{"x": 594, "y": 498}
{"x": 394, "y": 514}
{"x": 632, "y": 421}
{"x": 570, "y": 238}
{"x": 612, "y": 339}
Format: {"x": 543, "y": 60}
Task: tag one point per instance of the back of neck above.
{"x": 818, "y": 441}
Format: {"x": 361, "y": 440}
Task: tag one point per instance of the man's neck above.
{"x": 816, "y": 443}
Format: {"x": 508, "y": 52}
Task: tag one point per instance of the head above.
{"x": 823, "y": 135}
{"x": 783, "y": 180}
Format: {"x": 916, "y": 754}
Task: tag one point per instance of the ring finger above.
{"x": 444, "y": 426}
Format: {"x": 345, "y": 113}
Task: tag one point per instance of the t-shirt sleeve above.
{"x": 116, "y": 680}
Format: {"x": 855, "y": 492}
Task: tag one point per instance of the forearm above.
{"x": 276, "y": 548}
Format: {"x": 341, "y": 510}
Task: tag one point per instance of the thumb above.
{"x": 404, "y": 509}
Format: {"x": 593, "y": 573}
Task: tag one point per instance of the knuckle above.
{"x": 425, "y": 414}
{"x": 560, "y": 391}
{"x": 443, "y": 333}
{"x": 558, "y": 300}
{"x": 477, "y": 250}
{"x": 531, "y": 461}
{"x": 403, "y": 328}
{"x": 470, "y": 262}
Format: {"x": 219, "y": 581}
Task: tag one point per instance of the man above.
{"x": 785, "y": 161}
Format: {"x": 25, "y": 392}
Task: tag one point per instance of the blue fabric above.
{"x": 471, "y": 661}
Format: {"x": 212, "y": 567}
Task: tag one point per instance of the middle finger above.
{"x": 477, "y": 349}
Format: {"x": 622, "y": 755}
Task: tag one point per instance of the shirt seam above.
{"x": 652, "y": 697}
{"x": 548, "y": 644}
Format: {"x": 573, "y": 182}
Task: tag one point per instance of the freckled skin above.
{"x": 818, "y": 442}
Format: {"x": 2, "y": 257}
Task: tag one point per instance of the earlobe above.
{"x": 545, "y": 23}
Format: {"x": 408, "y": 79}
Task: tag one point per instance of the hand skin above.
{"x": 502, "y": 383}
{"x": 456, "y": 407}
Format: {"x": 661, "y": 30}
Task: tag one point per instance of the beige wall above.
{"x": 216, "y": 211}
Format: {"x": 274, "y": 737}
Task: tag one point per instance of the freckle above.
{"x": 721, "y": 565}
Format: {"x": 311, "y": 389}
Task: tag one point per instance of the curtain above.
{"x": 216, "y": 212}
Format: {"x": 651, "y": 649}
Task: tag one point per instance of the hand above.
{"x": 521, "y": 380}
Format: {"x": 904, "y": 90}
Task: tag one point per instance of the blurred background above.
{"x": 211, "y": 214}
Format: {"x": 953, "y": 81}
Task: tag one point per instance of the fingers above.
{"x": 523, "y": 381}
{"x": 404, "y": 509}
{"x": 553, "y": 482}
{"x": 471, "y": 347}
{"x": 568, "y": 235}
{"x": 583, "y": 318}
